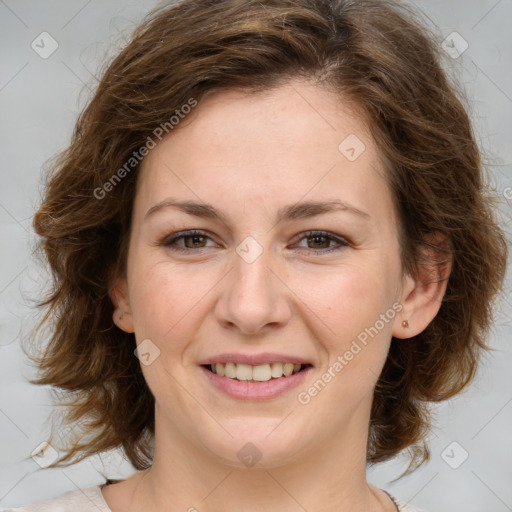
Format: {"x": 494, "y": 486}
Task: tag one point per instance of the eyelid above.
{"x": 341, "y": 241}
{"x": 168, "y": 240}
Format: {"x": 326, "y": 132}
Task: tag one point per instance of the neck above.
{"x": 328, "y": 477}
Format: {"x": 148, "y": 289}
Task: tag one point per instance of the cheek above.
{"x": 168, "y": 301}
{"x": 150, "y": 292}
{"x": 347, "y": 298}
{"x": 359, "y": 315}
{"x": 355, "y": 319}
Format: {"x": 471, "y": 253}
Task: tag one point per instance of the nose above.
{"x": 255, "y": 297}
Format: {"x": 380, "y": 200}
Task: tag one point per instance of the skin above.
{"x": 248, "y": 156}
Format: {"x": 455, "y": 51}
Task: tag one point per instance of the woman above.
{"x": 271, "y": 248}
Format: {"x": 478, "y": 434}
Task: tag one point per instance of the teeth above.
{"x": 219, "y": 369}
{"x": 229, "y": 370}
{"x": 243, "y": 372}
{"x": 287, "y": 369}
{"x": 260, "y": 373}
{"x": 277, "y": 370}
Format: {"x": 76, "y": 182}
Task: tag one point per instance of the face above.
{"x": 265, "y": 278}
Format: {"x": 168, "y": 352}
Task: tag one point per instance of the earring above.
{"x": 405, "y": 323}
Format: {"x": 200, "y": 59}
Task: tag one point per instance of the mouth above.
{"x": 255, "y": 373}
{"x": 255, "y": 382}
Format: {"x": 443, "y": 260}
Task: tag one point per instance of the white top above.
{"x": 91, "y": 500}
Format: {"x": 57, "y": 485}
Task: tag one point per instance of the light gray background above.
{"x": 40, "y": 99}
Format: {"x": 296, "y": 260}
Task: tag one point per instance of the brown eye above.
{"x": 195, "y": 241}
{"x": 320, "y": 242}
{"x": 191, "y": 240}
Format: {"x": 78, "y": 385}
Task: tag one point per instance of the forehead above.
{"x": 297, "y": 141}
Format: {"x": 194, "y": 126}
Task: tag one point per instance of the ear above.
{"x": 422, "y": 294}
{"x": 122, "y": 315}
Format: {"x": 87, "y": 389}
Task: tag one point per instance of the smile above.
{"x": 263, "y": 381}
{"x": 259, "y": 373}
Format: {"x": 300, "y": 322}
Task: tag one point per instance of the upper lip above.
{"x": 255, "y": 359}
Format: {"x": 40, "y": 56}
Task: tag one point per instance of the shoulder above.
{"x": 81, "y": 500}
{"x": 402, "y": 506}
{"x": 405, "y": 507}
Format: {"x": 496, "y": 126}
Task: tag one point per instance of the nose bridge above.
{"x": 253, "y": 296}
{"x": 252, "y": 274}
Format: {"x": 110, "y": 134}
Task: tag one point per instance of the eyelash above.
{"x": 168, "y": 242}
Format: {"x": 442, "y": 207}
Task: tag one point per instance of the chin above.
{"x": 258, "y": 448}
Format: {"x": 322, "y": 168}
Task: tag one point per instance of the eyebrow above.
{"x": 295, "y": 211}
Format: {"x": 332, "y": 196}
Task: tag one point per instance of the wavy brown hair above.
{"x": 375, "y": 54}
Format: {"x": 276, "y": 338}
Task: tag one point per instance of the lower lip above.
{"x": 246, "y": 390}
